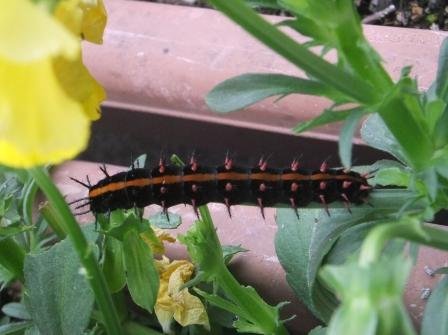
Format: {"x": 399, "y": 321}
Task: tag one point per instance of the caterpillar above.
{"x": 169, "y": 185}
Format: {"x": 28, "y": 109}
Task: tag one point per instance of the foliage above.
{"x": 341, "y": 255}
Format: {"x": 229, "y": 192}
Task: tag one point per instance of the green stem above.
{"x": 296, "y": 53}
{"x": 252, "y": 304}
{"x": 12, "y": 257}
{"x": 85, "y": 252}
{"x": 51, "y": 217}
{"x": 409, "y": 228}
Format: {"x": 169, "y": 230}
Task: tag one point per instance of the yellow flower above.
{"x": 174, "y": 303}
{"x": 85, "y": 18}
{"x": 46, "y": 95}
{"x": 155, "y": 237}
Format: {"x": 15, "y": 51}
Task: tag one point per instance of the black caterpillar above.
{"x": 168, "y": 185}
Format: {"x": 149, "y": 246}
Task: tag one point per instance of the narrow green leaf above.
{"x": 59, "y": 298}
{"x": 270, "y": 4}
{"x": 222, "y": 303}
{"x": 141, "y": 273}
{"x": 299, "y": 55}
{"x": 441, "y": 130}
{"x": 12, "y": 256}
{"x": 328, "y": 116}
{"x": 16, "y": 310}
{"x": 247, "y": 89}
{"x": 441, "y": 82}
{"x": 392, "y": 176}
{"x": 320, "y": 34}
{"x": 435, "y": 318}
{"x": 139, "y": 162}
{"x": 160, "y": 220}
{"x": 433, "y": 112}
{"x": 346, "y": 136}
{"x": 402, "y": 113}
{"x": 13, "y": 229}
{"x": 14, "y": 328}
{"x": 228, "y": 251}
{"x": 443, "y": 270}
{"x": 113, "y": 265}
{"x": 376, "y": 134}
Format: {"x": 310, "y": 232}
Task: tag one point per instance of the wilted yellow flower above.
{"x": 155, "y": 237}
{"x": 47, "y": 97}
{"x": 85, "y": 18}
{"x": 176, "y": 304}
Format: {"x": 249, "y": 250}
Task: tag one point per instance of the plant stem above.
{"x": 409, "y": 228}
{"x": 51, "y": 216}
{"x": 296, "y": 53}
{"x": 12, "y": 257}
{"x": 259, "y": 311}
{"x": 85, "y": 252}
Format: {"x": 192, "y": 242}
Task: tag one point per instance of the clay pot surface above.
{"x": 164, "y": 59}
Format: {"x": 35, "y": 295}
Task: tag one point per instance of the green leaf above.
{"x": 222, "y": 303}
{"x": 14, "y": 328}
{"x": 16, "y": 310}
{"x": 271, "y": 4}
{"x": 440, "y": 85}
{"x": 319, "y": 330}
{"x": 345, "y": 139}
{"x": 141, "y": 273}
{"x": 299, "y": 55}
{"x": 247, "y": 89}
{"x": 229, "y": 251}
{"x": 113, "y": 265}
{"x": 59, "y": 298}
{"x": 12, "y": 256}
{"x": 348, "y": 245}
{"x": 376, "y": 134}
{"x": 301, "y": 246}
{"x": 441, "y": 130}
{"x": 328, "y": 116}
{"x": 402, "y": 113}
{"x": 139, "y": 162}
{"x": 161, "y": 221}
{"x": 433, "y": 112}
{"x": 392, "y": 176}
{"x": 205, "y": 250}
{"x": 121, "y": 221}
{"x": 371, "y": 297}
{"x": 13, "y": 229}
{"x": 435, "y": 318}
{"x": 320, "y": 34}
{"x": 442, "y": 270}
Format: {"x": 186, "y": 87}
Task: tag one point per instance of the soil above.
{"x": 422, "y": 14}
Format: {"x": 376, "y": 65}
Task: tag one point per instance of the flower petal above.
{"x": 85, "y": 18}
{"x": 94, "y": 20}
{"x": 79, "y": 84}
{"x": 190, "y": 310}
{"x": 40, "y": 124}
{"x": 28, "y": 33}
